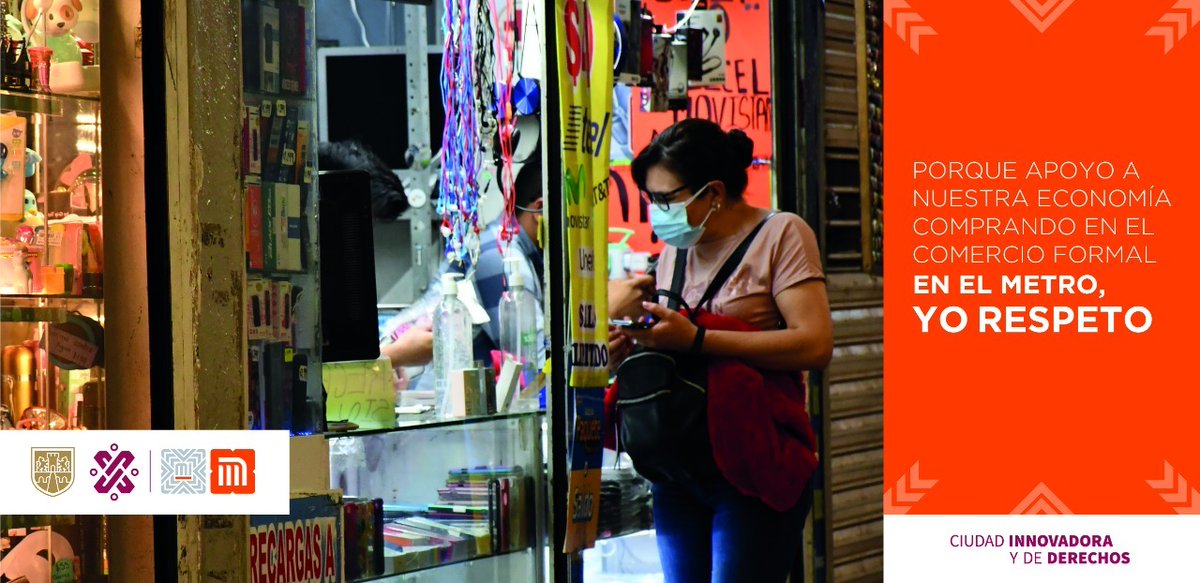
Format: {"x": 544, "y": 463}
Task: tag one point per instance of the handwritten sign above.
{"x": 744, "y": 103}
{"x": 361, "y": 392}
{"x": 76, "y": 343}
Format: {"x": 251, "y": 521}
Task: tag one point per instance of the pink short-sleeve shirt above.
{"x": 783, "y": 255}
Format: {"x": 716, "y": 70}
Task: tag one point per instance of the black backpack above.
{"x": 662, "y": 401}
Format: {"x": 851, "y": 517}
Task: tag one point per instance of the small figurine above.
{"x": 32, "y": 159}
{"x": 32, "y": 216}
{"x": 51, "y": 24}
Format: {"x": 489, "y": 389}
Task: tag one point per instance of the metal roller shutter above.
{"x": 853, "y": 431}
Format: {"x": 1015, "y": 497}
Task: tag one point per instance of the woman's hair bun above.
{"x": 742, "y": 148}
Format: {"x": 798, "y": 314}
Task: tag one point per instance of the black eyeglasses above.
{"x": 662, "y": 199}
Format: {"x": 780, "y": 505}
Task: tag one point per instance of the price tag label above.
{"x": 308, "y": 174}
{"x": 289, "y": 355}
{"x": 281, "y": 108}
{"x": 267, "y": 110}
{"x": 289, "y": 157}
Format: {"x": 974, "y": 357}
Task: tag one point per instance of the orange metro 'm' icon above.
{"x": 232, "y": 471}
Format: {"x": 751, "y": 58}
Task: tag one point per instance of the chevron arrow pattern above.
{"x": 1174, "y": 490}
{"x": 1042, "y": 13}
{"x": 907, "y": 23}
{"x": 1176, "y": 23}
{"x": 1041, "y": 501}
{"x": 909, "y": 490}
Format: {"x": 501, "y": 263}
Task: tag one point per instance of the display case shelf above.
{"x": 52, "y": 104}
{"x": 450, "y": 492}
{"x": 55, "y": 299}
{"x": 417, "y": 425}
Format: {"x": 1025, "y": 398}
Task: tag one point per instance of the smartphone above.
{"x": 643, "y": 324}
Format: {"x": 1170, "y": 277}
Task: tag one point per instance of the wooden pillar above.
{"x": 125, "y": 295}
{"x": 203, "y": 68}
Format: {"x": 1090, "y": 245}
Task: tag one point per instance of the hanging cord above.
{"x": 458, "y": 200}
{"x": 504, "y": 26}
{"x": 485, "y": 60}
{"x": 362, "y": 26}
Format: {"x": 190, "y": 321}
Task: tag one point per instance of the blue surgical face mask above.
{"x": 672, "y": 225}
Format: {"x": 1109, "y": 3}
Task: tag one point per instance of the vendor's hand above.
{"x": 673, "y": 331}
{"x": 620, "y": 345}
{"x": 413, "y": 348}
{"x": 625, "y": 296}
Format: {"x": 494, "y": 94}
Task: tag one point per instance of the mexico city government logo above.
{"x": 53, "y": 469}
{"x": 113, "y": 472}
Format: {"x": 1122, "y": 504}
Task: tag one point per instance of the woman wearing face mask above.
{"x": 694, "y": 176}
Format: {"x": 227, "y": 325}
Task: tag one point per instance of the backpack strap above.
{"x": 680, "y": 273}
{"x": 730, "y": 265}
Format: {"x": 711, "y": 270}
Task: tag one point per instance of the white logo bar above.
{"x": 145, "y": 472}
{"x": 1040, "y": 548}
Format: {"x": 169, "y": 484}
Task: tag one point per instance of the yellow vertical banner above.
{"x": 585, "y": 88}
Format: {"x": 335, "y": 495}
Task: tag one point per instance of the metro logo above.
{"x": 232, "y": 471}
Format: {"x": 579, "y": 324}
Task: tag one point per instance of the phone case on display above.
{"x": 292, "y": 51}
{"x": 278, "y": 380}
{"x": 269, "y": 49}
{"x": 270, "y": 230}
{"x": 279, "y": 122}
{"x": 251, "y": 46}
{"x": 302, "y": 415}
{"x": 254, "y": 227}
{"x": 287, "y": 150}
{"x": 302, "y": 145}
{"x": 289, "y": 247}
{"x": 251, "y": 142}
{"x": 283, "y": 312}
{"x": 257, "y": 398}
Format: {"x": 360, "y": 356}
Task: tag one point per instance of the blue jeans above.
{"x": 710, "y": 532}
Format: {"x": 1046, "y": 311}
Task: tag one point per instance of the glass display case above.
{"x": 459, "y": 500}
{"x": 51, "y": 267}
{"x": 279, "y": 154}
